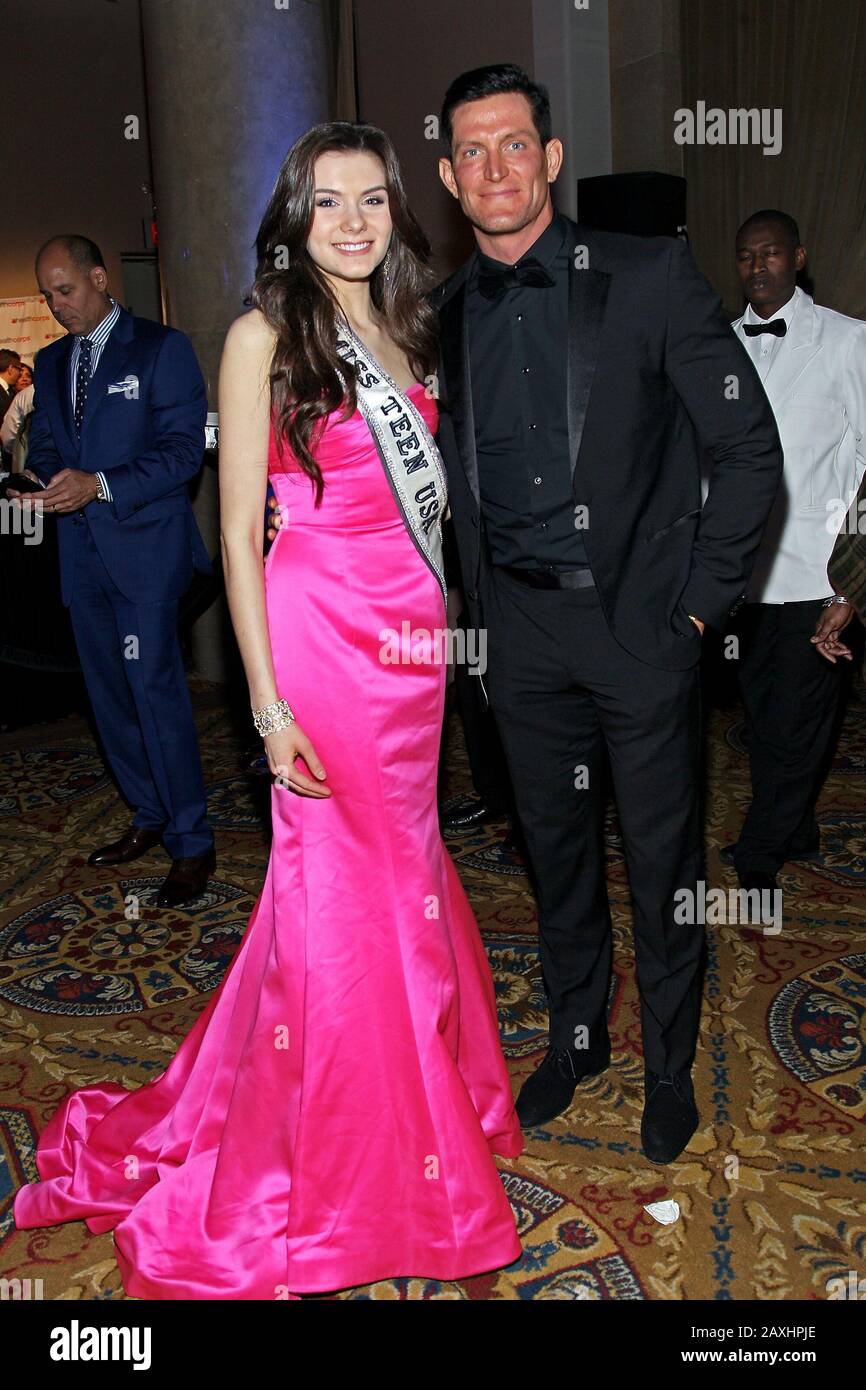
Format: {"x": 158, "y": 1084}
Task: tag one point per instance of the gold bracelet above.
{"x": 272, "y": 718}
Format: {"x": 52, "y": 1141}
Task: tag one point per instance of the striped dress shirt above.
{"x": 98, "y": 338}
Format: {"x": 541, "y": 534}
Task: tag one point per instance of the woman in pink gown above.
{"x": 330, "y": 1119}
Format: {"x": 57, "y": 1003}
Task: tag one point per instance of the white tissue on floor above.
{"x": 666, "y": 1213}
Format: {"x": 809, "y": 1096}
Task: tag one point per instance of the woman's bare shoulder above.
{"x": 251, "y": 331}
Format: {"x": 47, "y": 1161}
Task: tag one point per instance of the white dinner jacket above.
{"x": 816, "y": 385}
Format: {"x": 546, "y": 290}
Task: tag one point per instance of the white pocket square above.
{"x": 128, "y": 385}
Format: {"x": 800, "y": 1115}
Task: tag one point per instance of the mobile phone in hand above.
{"x": 21, "y": 483}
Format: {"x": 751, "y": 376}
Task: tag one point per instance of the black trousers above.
{"x": 791, "y": 696}
{"x": 567, "y": 698}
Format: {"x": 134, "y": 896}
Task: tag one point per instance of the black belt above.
{"x": 550, "y": 579}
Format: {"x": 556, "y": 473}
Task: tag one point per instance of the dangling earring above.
{"x": 386, "y": 267}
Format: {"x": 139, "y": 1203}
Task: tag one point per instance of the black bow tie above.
{"x": 493, "y": 283}
{"x": 777, "y": 327}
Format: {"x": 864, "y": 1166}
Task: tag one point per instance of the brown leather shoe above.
{"x": 136, "y": 841}
{"x": 187, "y": 879}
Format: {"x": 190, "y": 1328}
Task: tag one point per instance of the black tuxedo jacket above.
{"x": 655, "y": 376}
{"x": 7, "y": 396}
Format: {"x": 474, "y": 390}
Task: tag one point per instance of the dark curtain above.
{"x": 341, "y": 27}
{"x": 807, "y": 57}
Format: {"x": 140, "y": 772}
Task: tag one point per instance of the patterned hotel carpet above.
{"x": 772, "y": 1189}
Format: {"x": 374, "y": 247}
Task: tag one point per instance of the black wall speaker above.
{"x": 646, "y": 204}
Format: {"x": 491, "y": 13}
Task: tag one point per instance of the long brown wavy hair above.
{"x": 301, "y": 307}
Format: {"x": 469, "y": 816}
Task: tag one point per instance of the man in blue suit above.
{"x": 116, "y": 436}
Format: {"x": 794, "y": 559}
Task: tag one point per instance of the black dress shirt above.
{"x": 518, "y": 362}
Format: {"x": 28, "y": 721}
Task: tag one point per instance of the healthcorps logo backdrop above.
{"x": 27, "y": 324}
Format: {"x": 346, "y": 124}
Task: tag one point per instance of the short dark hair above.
{"x": 9, "y": 358}
{"x": 84, "y": 253}
{"x": 782, "y": 219}
{"x": 491, "y": 81}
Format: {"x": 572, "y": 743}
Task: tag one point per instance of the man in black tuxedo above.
{"x": 581, "y": 374}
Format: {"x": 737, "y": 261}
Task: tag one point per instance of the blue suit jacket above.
{"x": 148, "y": 440}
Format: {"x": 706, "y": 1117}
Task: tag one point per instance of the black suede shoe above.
{"x": 807, "y": 853}
{"x": 670, "y": 1116}
{"x": 754, "y": 878}
{"x": 548, "y": 1091}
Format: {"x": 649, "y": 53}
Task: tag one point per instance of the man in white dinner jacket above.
{"x": 812, "y": 362}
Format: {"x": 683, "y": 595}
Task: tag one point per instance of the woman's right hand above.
{"x": 275, "y": 518}
{"x": 282, "y": 749}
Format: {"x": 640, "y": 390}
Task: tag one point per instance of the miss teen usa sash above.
{"x": 412, "y": 462}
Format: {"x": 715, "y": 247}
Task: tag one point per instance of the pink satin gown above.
{"x": 331, "y": 1117}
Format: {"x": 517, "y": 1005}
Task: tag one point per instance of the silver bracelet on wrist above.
{"x": 272, "y": 718}
{"x": 837, "y": 598}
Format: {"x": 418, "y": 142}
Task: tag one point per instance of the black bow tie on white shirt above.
{"x": 493, "y": 283}
{"x": 778, "y": 327}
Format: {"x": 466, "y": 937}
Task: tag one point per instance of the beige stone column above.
{"x": 231, "y": 84}
{"x": 571, "y": 57}
{"x": 645, "y": 84}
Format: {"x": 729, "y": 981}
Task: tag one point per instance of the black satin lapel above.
{"x": 454, "y": 345}
{"x": 587, "y": 298}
